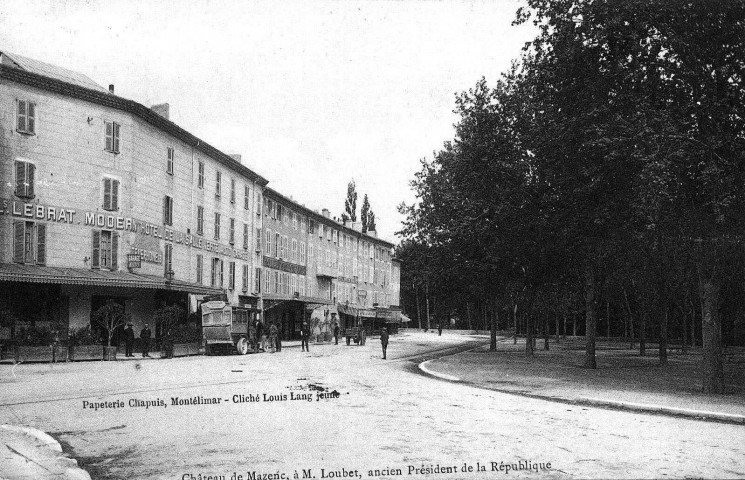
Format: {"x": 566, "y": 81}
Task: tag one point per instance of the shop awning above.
{"x": 12, "y": 272}
{"x": 273, "y": 300}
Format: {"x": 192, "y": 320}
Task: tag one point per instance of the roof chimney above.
{"x": 326, "y": 213}
{"x": 372, "y": 233}
{"x": 357, "y": 226}
{"x": 111, "y": 88}
{"x": 162, "y": 109}
{"x": 235, "y": 156}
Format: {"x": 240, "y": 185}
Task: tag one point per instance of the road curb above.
{"x": 423, "y": 367}
{"x": 701, "y": 415}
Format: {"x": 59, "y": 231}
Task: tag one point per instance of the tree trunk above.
{"x": 630, "y": 318}
{"x": 607, "y": 319}
{"x": 426, "y": 297}
{"x": 711, "y": 326}
{"x": 642, "y": 333}
{"x": 529, "y": 334}
{"x": 545, "y": 333}
{"x": 684, "y": 325}
{"x": 556, "y": 326}
{"x": 663, "y": 335}
{"x": 591, "y": 319}
{"x": 418, "y": 307}
{"x": 574, "y": 325}
{"x": 693, "y": 323}
{"x": 514, "y": 323}
{"x": 493, "y": 333}
{"x": 564, "y": 316}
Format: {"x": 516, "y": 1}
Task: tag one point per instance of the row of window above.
{"x": 217, "y": 271}
{"x": 287, "y": 283}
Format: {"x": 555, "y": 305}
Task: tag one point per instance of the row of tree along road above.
{"x": 602, "y": 176}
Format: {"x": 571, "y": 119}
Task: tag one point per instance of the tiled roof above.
{"x": 13, "y": 73}
{"x": 49, "y": 70}
{"x": 13, "y": 272}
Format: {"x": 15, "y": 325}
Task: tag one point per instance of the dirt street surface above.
{"x": 343, "y": 412}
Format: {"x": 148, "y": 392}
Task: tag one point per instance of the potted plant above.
{"x": 35, "y": 344}
{"x": 186, "y": 339}
{"x": 7, "y": 321}
{"x": 165, "y": 319}
{"x": 110, "y": 317}
{"x": 85, "y": 345}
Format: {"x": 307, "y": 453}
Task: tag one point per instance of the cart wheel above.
{"x": 242, "y": 346}
{"x": 347, "y": 340}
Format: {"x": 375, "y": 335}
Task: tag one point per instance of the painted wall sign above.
{"x": 134, "y": 260}
{"x": 278, "y": 264}
{"x": 112, "y": 221}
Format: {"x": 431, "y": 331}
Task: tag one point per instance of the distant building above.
{"x": 102, "y": 198}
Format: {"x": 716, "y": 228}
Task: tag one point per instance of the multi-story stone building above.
{"x": 314, "y": 263}
{"x": 102, "y": 198}
{"x": 93, "y": 184}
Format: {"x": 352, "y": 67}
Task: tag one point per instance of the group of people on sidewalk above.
{"x": 129, "y": 340}
{"x": 272, "y": 342}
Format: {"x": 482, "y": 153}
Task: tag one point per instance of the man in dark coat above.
{"x": 304, "y": 336}
{"x": 336, "y": 333}
{"x": 145, "y": 335}
{"x": 384, "y": 339}
{"x": 259, "y": 333}
{"x": 129, "y": 340}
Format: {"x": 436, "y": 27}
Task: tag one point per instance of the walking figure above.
{"x": 384, "y": 340}
{"x": 273, "y": 338}
{"x": 145, "y": 335}
{"x": 336, "y": 333}
{"x": 129, "y": 340}
{"x": 304, "y": 336}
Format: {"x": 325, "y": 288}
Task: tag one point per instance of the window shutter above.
{"x": 106, "y": 194}
{"x": 31, "y": 168}
{"x": 31, "y": 122}
{"x": 221, "y": 272}
{"x": 96, "y": 251}
{"x": 116, "y": 137}
{"x": 21, "y": 115}
{"x": 18, "y": 238}
{"x": 109, "y": 136}
{"x": 165, "y": 210}
{"x": 114, "y": 251}
{"x": 21, "y": 179}
{"x": 115, "y": 194}
{"x": 41, "y": 243}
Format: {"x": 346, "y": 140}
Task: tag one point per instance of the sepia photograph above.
{"x": 358, "y": 239}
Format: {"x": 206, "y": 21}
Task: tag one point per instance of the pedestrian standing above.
{"x": 272, "y": 337}
{"x": 304, "y": 336}
{"x": 279, "y": 338}
{"x": 384, "y": 340}
{"x": 145, "y": 335}
{"x": 439, "y": 328}
{"x": 129, "y": 340}
{"x": 259, "y": 335}
{"x": 336, "y": 333}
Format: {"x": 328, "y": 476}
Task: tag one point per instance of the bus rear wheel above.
{"x": 242, "y": 346}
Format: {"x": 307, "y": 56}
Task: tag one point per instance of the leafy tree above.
{"x": 371, "y": 222}
{"x": 364, "y": 212}
{"x": 110, "y": 316}
{"x": 350, "y": 204}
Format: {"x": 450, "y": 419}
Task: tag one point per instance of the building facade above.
{"x": 102, "y": 198}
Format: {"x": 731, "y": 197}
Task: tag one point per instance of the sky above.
{"x": 311, "y": 94}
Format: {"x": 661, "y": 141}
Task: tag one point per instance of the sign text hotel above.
{"x": 105, "y": 220}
